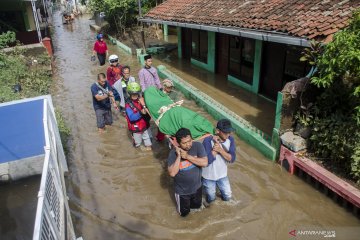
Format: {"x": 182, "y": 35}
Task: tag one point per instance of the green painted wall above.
{"x": 239, "y": 83}
{"x": 120, "y": 44}
{"x": 179, "y": 42}
{"x": 210, "y": 65}
{"x": 243, "y": 129}
{"x": 279, "y": 104}
{"x": 254, "y": 87}
{"x": 257, "y": 66}
{"x": 166, "y": 30}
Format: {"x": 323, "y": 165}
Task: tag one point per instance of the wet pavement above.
{"x": 118, "y": 192}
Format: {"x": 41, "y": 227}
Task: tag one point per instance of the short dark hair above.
{"x": 125, "y": 67}
{"x": 146, "y": 57}
{"x": 182, "y": 133}
{"x": 101, "y": 75}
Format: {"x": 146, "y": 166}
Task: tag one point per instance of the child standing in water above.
{"x": 136, "y": 117}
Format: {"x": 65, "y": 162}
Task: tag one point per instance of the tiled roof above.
{"x": 312, "y": 19}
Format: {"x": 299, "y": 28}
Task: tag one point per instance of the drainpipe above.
{"x": 240, "y": 32}
{"x": 36, "y": 20}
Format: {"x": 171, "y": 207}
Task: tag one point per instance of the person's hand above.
{"x": 217, "y": 148}
{"x": 177, "y": 150}
{"x": 183, "y": 154}
{"x": 142, "y": 101}
{"x": 213, "y": 153}
{"x": 143, "y": 111}
{"x": 116, "y": 106}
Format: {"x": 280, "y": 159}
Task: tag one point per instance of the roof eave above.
{"x": 241, "y": 32}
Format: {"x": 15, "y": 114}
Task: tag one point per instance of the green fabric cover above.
{"x": 176, "y": 117}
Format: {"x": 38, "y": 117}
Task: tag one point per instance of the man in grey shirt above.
{"x": 184, "y": 165}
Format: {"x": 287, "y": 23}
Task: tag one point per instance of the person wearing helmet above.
{"x": 100, "y": 48}
{"x": 114, "y": 71}
{"x": 136, "y": 117}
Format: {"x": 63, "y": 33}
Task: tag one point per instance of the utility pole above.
{"x": 142, "y": 28}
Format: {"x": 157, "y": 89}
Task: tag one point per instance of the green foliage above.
{"x": 63, "y": 129}
{"x": 34, "y": 75}
{"x": 335, "y": 116}
{"x": 121, "y": 14}
{"x": 6, "y": 39}
{"x": 311, "y": 54}
{"x": 340, "y": 62}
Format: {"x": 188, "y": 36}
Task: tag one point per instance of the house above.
{"x": 26, "y": 18}
{"x": 255, "y": 44}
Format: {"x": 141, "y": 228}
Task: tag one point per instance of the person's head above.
{"x": 100, "y": 37}
{"x": 134, "y": 90}
{"x": 183, "y": 137}
{"x": 126, "y": 72}
{"x": 113, "y": 60}
{"x": 168, "y": 85}
{"x": 223, "y": 129}
{"x": 101, "y": 78}
{"x": 148, "y": 60}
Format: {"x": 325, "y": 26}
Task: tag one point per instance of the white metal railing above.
{"x": 53, "y": 219}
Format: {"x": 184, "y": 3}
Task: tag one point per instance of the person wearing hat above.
{"x": 148, "y": 75}
{"x": 168, "y": 90}
{"x": 220, "y": 150}
{"x": 100, "y": 48}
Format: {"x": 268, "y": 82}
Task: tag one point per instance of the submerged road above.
{"x": 118, "y": 192}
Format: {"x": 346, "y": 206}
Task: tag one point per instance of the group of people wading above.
{"x": 193, "y": 165}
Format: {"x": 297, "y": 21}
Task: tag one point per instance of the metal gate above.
{"x": 53, "y": 219}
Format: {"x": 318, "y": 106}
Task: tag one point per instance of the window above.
{"x": 199, "y": 45}
{"x": 241, "y": 60}
{"x": 294, "y": 69}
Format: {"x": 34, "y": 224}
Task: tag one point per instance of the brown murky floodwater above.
{"x": 117, "y": 192}
{"x": 18, "y": 202}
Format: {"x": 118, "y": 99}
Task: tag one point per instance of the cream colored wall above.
{"x": 30, "y": 16}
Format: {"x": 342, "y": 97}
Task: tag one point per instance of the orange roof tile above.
{"x": 300, "y": 18}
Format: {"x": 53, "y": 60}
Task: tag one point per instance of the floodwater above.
{"x": 118, "y": 192}
{"x": 18, "y": 201}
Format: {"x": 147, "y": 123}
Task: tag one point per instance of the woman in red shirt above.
{"x": 100, "y": 48}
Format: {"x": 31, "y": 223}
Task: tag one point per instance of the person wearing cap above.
{"x": 100, "y": 48}
{"x": 148, "y": 75}
{"x": 220, "y": 150}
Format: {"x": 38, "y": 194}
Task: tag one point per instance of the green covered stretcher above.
{"x": 175, "y": 117}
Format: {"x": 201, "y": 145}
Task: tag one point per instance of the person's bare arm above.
{"x": 175, "y": 167}
{"x": 201, "y": 162}
{"x": 101, "y": 97}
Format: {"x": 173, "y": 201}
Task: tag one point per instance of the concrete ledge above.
{"x": 120, "y": 44}
{"x": 95, "y": 27}
{"x": 243, "y": 129}
{"x": 330, "y": 180}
